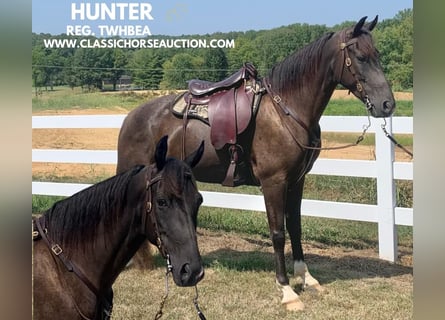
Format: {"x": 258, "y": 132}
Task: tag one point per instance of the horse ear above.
{"x": 193, "y": 158}
{"x": 358, "y": 27}
{"x": 372, "y": 24}
{"x": 161, "y": 152}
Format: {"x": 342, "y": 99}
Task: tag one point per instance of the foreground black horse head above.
{"x": 175, "y": 206}
{"x": 83, "y": 242}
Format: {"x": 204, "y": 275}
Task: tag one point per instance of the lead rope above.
{"x": 165, "y": 296}
{"x": 195, "y": 302}
{"x": 393, "y": 140}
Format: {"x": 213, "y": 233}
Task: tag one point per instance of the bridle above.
{"x": 348, "y": 62}
{"x": 149, "y": 214}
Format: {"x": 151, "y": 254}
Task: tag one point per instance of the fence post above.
{"x": 386, "y": 194}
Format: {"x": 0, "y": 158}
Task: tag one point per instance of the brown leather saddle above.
{"x": 228, "y": 106}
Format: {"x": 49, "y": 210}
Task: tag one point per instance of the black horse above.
{"x": 283, "y": 135}
{"x": 83, "y": 242}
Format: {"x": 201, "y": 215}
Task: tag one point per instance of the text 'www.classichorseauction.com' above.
{"x": 136, "y": 43}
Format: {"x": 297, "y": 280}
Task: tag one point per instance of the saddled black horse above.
{"x": 83, "y": 242}
{"x": 283, "y": 135}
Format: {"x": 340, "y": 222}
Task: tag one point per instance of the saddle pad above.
{"x": 200, "y": 112}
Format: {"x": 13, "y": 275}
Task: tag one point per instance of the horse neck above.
{"x": 107, "y": 256}
{"x": 309, "y": 92}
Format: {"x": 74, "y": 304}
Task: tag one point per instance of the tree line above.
{"x": 171, "y": 68}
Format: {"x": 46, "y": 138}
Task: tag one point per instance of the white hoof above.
{"x": 290, "y": 299}
{"x": 305, "y": 278}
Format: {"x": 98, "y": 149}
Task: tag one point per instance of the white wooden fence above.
{"x": 384, "y": 168}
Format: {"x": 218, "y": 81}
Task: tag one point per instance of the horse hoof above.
{"x": 294, "y": 305}
{"x": 316, "y": 288}
{"x": 290, "y": 300}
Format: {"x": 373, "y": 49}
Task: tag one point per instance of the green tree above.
{"x": 244, "y": 51}
{"x": 38, "y": 70}
{"x": 395, "y": 43}
{"x": 86, "y": 67}
{"x": 180, "y": 69}
{"x": 215, "y": 64}
{"x": 119, "y": 63}
{"x": 146, "y": 68}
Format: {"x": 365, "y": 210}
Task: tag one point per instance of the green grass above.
{"x": 63, "y": 98}
{"x": 353, "y": 107}
{"x": 240, "y": 284}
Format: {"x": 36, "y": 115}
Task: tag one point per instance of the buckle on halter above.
{"x": 56, "y": 249}
{"x": 343, "y": 45}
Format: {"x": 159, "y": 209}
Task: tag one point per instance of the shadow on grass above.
{"x": 326, "y": 269}
{"x": 334, "y": 263}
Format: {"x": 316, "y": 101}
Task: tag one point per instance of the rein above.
{"x": 160, "y": 313}
{"x": 280, "y": 106}
{"x": 393, "y": 140}
{"x": 57, "y": 251}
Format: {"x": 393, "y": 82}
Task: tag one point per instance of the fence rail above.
{"x": 384, "y": 169}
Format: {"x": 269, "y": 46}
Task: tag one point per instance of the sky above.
{"x": 188, "y": 17}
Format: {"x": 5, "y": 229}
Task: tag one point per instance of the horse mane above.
{"x": 74, "y": 220}
{"x": 294, "y": 69}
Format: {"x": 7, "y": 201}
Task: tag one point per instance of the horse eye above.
{"x": 362, "y": 58}
{"x": 162, "y": 202}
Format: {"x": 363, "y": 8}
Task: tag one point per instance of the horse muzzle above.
{"x": 188, "y": 274}
{"x": 383, "y": 110}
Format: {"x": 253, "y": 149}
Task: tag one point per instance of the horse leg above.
{"x": 275, "y": 198}
{"x": 293, "y": 226}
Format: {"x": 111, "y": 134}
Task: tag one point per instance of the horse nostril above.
{"x": 185, "y": 272}
{"x": 387, "y": 105}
